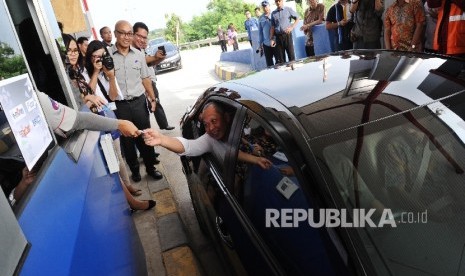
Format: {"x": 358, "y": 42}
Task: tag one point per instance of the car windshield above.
{"x": 170, "y": 47}
{"x": 409, "y": 170}
{"x": 157, "y": 40}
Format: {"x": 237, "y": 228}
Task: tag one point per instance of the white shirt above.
{"x": 203, "y": 144}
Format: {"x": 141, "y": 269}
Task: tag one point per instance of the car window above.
{"x": 220, "y": 148}
{"x": 277, "y": 189}
{"x": 170, "y": 47}
{"x": 157, "y": 40}
{"x": 410, "y": 166}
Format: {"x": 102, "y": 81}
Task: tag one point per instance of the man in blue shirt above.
{"x": 264, "y": 25}
{"x": 281, "y": 31}
{"x": 250, "y": 24}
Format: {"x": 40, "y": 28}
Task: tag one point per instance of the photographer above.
{"x": 100, "y": 73}
{"x": 141, "y": 32}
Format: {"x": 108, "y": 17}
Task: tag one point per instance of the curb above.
{"x": 178, "y": 257}
{"x": 231, "y": 70}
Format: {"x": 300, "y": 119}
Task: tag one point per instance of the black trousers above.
{"x": 223, "y": 46}
{"x": 159, "y": 113}
{"x": 310, "y": 51}
{"x": 136, "y": 111}
{"x": 269, "y": 54}
{"x": 284, "y": 45}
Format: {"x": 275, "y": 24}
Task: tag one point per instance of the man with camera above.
{"x": 141, "y": 32}
{"x": 134, "y": 81}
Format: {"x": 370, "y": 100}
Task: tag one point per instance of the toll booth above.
{"x": 73, "y": 219}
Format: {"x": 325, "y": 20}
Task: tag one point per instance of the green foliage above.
{"x": 156, "y": 33}
{"x": 328, "y": 4}
{"x": 220, "y": 12}
{"x": 173, "y": 28}
{"x": 10, "y": 64}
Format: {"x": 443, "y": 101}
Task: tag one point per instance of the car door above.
{"x": 271, "y": 196}
{"x": 218, "y": 212}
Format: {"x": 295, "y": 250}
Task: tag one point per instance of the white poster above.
{"x": 26, "y": 119}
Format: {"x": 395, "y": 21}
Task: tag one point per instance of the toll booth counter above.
{"x": 61, "y": 210}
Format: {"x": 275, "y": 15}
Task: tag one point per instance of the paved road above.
{"x": 178, "y": 89}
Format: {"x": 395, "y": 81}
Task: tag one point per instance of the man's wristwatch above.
{"x": 12, "y": 198}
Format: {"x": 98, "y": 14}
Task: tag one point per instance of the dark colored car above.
{"x": 173, "y": 56}
{"x": 367, "y": 177}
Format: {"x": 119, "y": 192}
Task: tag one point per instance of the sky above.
{"x": 151, "y": 12}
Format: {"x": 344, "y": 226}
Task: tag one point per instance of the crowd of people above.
{"x": 407, "y": 25}
{"x": 117, "y": 80}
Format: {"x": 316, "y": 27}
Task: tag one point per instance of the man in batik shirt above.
{"x": 403, "y": 25}
{"x": 314, "y": 15}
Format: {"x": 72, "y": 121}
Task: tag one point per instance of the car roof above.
{"x": 152, "y": 48}
{"x": 330, "y": 91}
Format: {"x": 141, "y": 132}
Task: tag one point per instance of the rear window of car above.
{"x": 409, "y": 170}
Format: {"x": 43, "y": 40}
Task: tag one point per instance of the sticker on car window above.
{"x": 287, "y": 187}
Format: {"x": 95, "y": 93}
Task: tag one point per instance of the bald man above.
{"x": 136, "y": 86}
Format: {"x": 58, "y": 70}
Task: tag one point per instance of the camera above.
{"x": 107, "y": 61}
{"x": 162, "y": 48}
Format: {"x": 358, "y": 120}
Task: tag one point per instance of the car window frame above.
{"x": 228, "y": 174}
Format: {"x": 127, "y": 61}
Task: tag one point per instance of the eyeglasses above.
{"x": 72, "y": 51}
{"x": 141, "y": 36}
{"x": 129, "y": 34}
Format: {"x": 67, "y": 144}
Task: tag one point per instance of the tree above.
{"x": 220, "y": 12}
{"x": 173, "y": 31}
{"x": 10, "y": 64}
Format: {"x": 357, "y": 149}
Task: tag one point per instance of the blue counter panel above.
{"x": 78, "y": 221}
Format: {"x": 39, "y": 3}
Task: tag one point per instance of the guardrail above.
{"x": 207, "y": 41}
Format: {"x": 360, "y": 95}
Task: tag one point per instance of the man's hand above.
{"x": 28, "y": 176}
{"x": 272, "y": 42}
{"x": 287, "y": 171}
{"x": 257, "y": 150}
{"x": 159, "y": 55}
{"x": 264, "y": 163}
{"x": 151, "y": 137}
{"x": 128, "y": 129}
{"x": 153, "y": 105}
